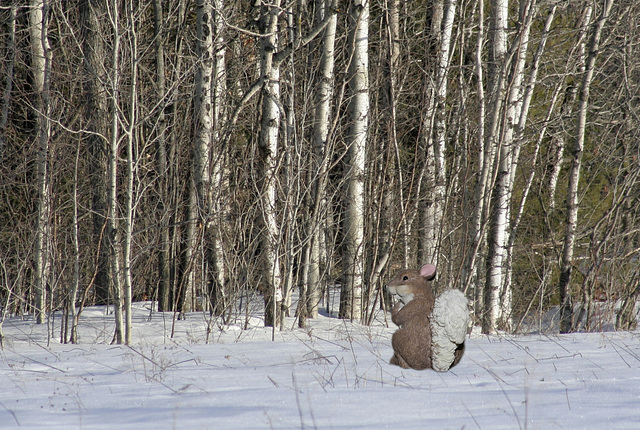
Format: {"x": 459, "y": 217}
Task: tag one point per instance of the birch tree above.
{"x": 566, "y": 110}
{"x": 485, "y": 154}
{"x": 436, "y": 138}
{"x": 73, "y": 338}
{"x": 131, "y": 163}
{"x": 498, "y": 296}
{"x": 268, "y": 144}
{"x": 427, "y": 242}
{"x": 358, "y": 112}
{"x": 576, "y": 151}
{"x": 496, "y": 84}
{"x": 113, "y": 237}
{"x": 527, "y": 91}
{"x": 200, "y": 206}
{"x": 311, "y": 292}
{"x": 205, "y": 204}
{"x": 219, "y": 208}
{"x": 41, "y": 63}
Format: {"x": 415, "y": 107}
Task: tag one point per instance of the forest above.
{"x": 202, "y": 154}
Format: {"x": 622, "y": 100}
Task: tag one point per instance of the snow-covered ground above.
{"x": 333, "y": 375}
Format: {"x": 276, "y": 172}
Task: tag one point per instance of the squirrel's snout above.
{"x": 404, "y": 293}
{"x": 391, "y": 289}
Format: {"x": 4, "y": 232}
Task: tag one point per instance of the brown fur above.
{"x": 412, "y": 341}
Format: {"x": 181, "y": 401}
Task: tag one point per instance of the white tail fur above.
{"x": 449, "y": 322}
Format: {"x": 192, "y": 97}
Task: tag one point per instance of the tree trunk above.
{"x": 9, "y": 76}
{"x": 351, "y": 295}
{"x": 437, "y": 173}
{"x": 207, "y": 165}
{"x": 41, "y": 63}
{"x": 499, "y": 293}
{"x": 384, "y": 179}
{"x": 427, "y": 229}
{"x": 73, "y": 297}
{"x": 626, "y": 318}
{"x": 164, "y": 253}
{"x": 185, "y": 294}
{"x": 324, "y": 97}
{"x": 291, "y": 164}
{"x": 475, "y": 233}
{"x": 497, "y": 78}
{"x": 528, "y": 92}
{"x": 113, "y": 236}
{"x": 219, "y": 207}
{"x": 200, "y": 214}
{"x": 268, "y": 141}
{"x": 566, "y": 266}
{"x": 95, "y": 117}
{"x": 131, "y": 172}
{"x": 182, "y": 232}
{"x": 556, "y": 166}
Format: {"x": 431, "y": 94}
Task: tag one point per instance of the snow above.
{"x": 332, "y": 375}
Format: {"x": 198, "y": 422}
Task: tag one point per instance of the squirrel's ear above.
{"x": 428, "y": 271}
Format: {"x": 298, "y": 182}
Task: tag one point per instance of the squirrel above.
{"x": 431, "y": 331}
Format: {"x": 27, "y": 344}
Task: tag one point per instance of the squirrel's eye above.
{"x": 405, "y": 278}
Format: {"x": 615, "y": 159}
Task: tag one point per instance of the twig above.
{"x": 504, "y": 392}
{"x": 11, "y": 412}
{"x": 615, "y": 348}
{"x": 350, "y": 339}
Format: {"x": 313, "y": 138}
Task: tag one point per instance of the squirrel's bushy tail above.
{"x": 449, "y": 322}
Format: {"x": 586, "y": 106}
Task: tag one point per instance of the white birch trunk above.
{"x": 291, "y": 165}
{"x": 351, "y": 298}
{"x": 427, "y": 242}
{"x": 499, "y": 288}
{"x": 527, "y": 96}
{"x": 439, "y": 174}
{"x": 131, "y": 173}
{"x": 497, "y": 90}
{"x": 186, "y": 289}
{"x": 566, "y": 304}
{"x": 566, "y": 310}
{"x": 484, "y": 162}
{"x": 112, "y": 219}
{"x": 324, "y": 97}
{"x": 205, "y": 207}
{"x": 559, "y": 142}
{"x": 41, "y": 63}
{"x": 269, "y": 130}
{"x": 199, "y": 209}
{"x": 218, "y": 206}
{"x": 76, "y": 254}
{"x": 128, "y": 233}
{"x": 557, "y": 161}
